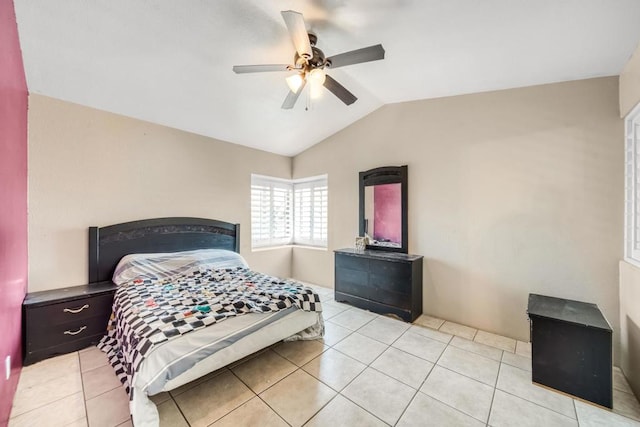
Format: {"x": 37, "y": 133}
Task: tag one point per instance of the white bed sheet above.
{"x": 155, "y": 374}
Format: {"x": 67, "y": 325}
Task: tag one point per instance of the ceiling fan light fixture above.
{"x": 295, "y": 82}
{"x": 317, "y": 77}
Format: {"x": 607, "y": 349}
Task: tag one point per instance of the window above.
{"x": 632, "y": 186}
{"x": 285, "y": 212}
{"x": 271, "y": 202}
{"x": 310, "y": 212}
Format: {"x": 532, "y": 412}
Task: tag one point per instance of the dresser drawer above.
{"x": 352, "y": 262}
{"x": 352, "y": 282}
{"x": 397, "y": 270}
{"x": 70, "y": 311}
{"x": 396, "y": 284}
{"x": 394, "y": 299}
{"x": 46, "y": 335}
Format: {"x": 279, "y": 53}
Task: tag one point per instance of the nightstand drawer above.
{"x": 62, "y": 320}
{"x": 71, "y": 311}
{"x": 46, "y": 335}
{"x": 36, "y": 355}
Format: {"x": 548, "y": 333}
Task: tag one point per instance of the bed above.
{"x": 151, "y": 354}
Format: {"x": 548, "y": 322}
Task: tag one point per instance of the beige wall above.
{"x": 510, "y": 192}
{"x": 89, "y": 167}
{"x": 630, "y": 84}
{"x": 630, "y": 275}
{"x": 630, "y": 324}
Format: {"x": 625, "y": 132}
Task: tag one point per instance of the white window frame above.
{"x": 277, "y": 231}
{"x": 316, "y": 210}
{"x": 313, "y": 230}
{"x": 632, "y": 187}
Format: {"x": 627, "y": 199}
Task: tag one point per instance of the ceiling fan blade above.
{"x": 340, "y": 91}
{"x": 240, "y": 69}
{"x": 298, "y": 32}
{"x": 366, "y": 54}
{"x": 292, "y": 97}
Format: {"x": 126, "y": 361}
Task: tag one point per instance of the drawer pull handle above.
{"x": 75, "y": 332}
{"x": 75, "y": 310}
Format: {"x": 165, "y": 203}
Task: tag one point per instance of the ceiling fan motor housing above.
{"x": 318, "y": 60}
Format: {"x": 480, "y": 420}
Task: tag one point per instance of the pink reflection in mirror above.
{"x": 387, "y": 218}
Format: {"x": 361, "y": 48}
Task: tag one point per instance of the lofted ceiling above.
{"x": 170, "y": 62}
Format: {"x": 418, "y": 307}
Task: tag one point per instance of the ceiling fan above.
{"x": 310, "y": 62}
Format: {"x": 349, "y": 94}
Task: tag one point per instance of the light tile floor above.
{"x": 369, "y": 370}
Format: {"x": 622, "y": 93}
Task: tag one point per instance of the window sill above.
{"x": 269, "y": 248}
{"x": 632, "y": 261}
{"x": 313, "y": 248}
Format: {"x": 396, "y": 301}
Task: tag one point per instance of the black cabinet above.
{"x": 382, "y": 282}
{"x": 571, "y": 348}
{"x": 64, "y": 320}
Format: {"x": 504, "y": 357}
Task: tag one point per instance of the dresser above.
{"x": 60, "y": 321}
{"x": 382, "y": 282}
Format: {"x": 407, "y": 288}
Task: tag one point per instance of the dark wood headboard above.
{"x": 107, "y": 245}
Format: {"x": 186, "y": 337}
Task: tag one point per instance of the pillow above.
{"x": 162, "y": 265}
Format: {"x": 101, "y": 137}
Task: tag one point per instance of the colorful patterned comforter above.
{"x": 148, "y": 312}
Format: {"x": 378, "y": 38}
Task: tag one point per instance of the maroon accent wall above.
{"x": 13, "y": 202}
{"x": 387, "y": 205}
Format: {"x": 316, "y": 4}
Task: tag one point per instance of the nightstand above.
{"x": 64, "y": 320}
{"x": 571, "y": 348}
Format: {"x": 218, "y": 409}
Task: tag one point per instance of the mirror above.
{"x": 383, "y": 208}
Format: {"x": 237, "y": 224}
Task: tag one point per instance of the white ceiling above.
{"x": 169, "y": 62}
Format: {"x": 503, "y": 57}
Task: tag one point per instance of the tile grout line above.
{"x": 272, "y": 408}
{"x": 495, "y": 387}
{"x": 11, "y": 416}
{"x": 184, "y": 417}
{"x": 84, "y": 396}
{"x": 425, "y": 378}
{"x": 575, "y": 410}
{"x": 347, "y": 398}
{"x": 625, "y": 392}
{"x": 321, "y": 408}
{"x": 444, "y": 403}
{"x": 537, "y": 404}
{"x": 258, "y": 394}
{"x": 277, "y": 382}
{"x": 531, "y": 401}
{"x": 368, "y": 366}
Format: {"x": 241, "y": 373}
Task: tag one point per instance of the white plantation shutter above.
{"x": 310, "y": 199}
{"x": 288, "y": 212}
{"x": 271, "y": 205}
{"x": 632, "y": 186}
